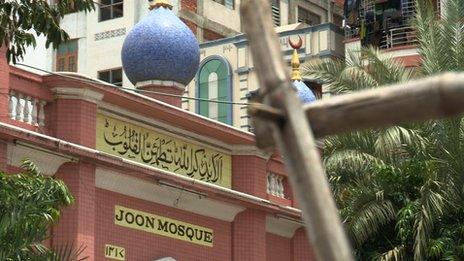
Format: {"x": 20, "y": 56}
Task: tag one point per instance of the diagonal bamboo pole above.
{"x": 294, "y": 137}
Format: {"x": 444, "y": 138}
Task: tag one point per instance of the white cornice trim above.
{"x": 77, "y": 94}
{"x": 174, "y": 84}
{"x": 281, "y": 226}
{"x": 248, "y": 150}
{"x": 164, "y": 195}
{"x": 47, "y": 161}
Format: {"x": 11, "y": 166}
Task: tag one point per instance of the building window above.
{"x": 113, "y": 76}
{"x": 110, "y": 9}
{"x": 275, "y": 5}
{"x": 66, "y": 57}
{"x": 307, "y": 17}
{"x": 214, "y": 83}
{"x": 228, "y": 3}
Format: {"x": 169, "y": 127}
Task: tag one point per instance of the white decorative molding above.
{"x": 77, "y": 94}
{"x": 281, "y": 226}
{"x": 250, "y": 150}
{"x": 275, "y": 185}
{"x": 163, "y": 128}
{"x": 110, "y": 34}
{"x": 26, "y": 109}
{"x": 165, "y": 259}
{"x": 46, "y": 161}
{"x": 165, "y": 195}
{"x": 174, "y": 84}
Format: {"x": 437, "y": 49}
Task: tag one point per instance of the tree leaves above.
{"x": 20, "y": 19}
{"x": 400, "y": 189}
{"x": 29, "y": 205}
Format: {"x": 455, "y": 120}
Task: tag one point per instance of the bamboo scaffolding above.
{"x": 431, "y": 98}
{"x": 277, "y": 110}
{"x": 293, "y": 136}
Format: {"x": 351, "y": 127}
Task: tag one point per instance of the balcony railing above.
{"x": 400, "y": 36}
{"x": 351, "y": 32}
{"x": 26, "y": 109}
{"x": 275, "y": 185}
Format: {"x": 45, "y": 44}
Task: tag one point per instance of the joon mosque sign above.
{"x": 147, "y": 146}
{"x": 163, "y": 226}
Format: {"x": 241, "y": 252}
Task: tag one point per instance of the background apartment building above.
{"x": 385, "y": 25}
{"x": 97, "y": 37}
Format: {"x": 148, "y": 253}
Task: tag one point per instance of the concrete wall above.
{"x": 318, "y": 42}
{"x": 223, "y": 15}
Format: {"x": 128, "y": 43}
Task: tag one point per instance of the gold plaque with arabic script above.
{"x": 147, "y": 146}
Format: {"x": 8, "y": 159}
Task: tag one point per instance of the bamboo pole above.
{"x": 294, "y": 137}
{"x": 431, "y": 98}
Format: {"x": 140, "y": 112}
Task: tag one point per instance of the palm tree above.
{"x": 29, "y": 205}
{"x": 400, "y": 189}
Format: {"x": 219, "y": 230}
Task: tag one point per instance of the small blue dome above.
{"x": 304, "y": 92}
{"x": 160, "y": 47}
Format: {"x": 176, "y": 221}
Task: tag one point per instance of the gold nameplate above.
{"x": 135, "y": 219}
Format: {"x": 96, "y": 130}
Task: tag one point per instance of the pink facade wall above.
{"x": 278, "y": 248}
{"x": 90, "y": 221}
{"x": 141, "y": 245}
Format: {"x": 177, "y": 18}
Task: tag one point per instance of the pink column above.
{"x": 302, "y": 250}
{"x": 77, "y": 222}
{"x": 74, "y": 120}
{"x": 249, "y": 236}
{"x": 4, "y": 84}
{"x": 249, "y": 175}
{"x": 3, "y": 156}
{"x": 75, "y": 115}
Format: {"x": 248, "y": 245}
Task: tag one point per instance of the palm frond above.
{"x": 392, "y": 142}
{"x": 350, "y": 160}
{"x": 437, "y": 248}
{"x": 68, "y": 252}
{"x": 362, "y": 69}
{"x": 30, "y": 167}
{"x": 370, "y": 211}
{"x": 431, "y": 207}
{"x": 442, "y": 48}
{"x": 395, "y": 254}
{"x": 430, "y": 45}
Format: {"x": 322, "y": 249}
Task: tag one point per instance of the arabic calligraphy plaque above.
{"x": 147, "y": 146}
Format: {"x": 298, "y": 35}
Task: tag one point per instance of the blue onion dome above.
{"x": 160, "y": 47}
{"x": 304, "y": 92}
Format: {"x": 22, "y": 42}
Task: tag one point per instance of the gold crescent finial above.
{"x": 296, "y": 75}
{"x": 158, "y": 3}
{"x": 297, "y": 45}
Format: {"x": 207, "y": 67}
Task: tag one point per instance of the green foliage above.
{"x": 441, "y": 40}
{"x": 400, "y": 189}
{"x": 29, "y": 204}
{"x": 20, "y": 18}
{"x": 353, "y": 74}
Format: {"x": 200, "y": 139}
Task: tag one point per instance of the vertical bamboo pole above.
{"x": 294, "y": 137}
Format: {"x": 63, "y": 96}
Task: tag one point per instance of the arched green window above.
{"x": 214, "y": 83}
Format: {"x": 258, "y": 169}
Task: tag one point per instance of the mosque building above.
{"x": 152, "y": 181}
